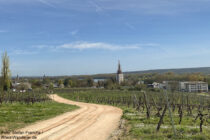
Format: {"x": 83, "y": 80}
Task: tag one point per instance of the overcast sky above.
{"x": 68, "y": 37}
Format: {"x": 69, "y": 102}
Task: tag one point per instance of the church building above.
{"x": 119, "y": 77}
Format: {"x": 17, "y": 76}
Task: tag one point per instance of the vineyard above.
{"x": 27, "y": 97}
{"x": 149, "y": 115}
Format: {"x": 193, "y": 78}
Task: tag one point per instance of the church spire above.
{"x": 119, "y": 76}
{"x": 119, "y": 71}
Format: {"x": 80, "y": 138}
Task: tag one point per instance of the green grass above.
{"x": 18, "y": 115}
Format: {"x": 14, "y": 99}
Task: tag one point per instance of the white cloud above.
{"x": 101, "y": 46}
{"x": 96, "y": 45}
{"x": 81, "y": 45}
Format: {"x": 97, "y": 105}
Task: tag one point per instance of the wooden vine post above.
{"x": 170, "y": 113}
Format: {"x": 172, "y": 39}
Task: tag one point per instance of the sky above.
{"x": 73, "y": 37}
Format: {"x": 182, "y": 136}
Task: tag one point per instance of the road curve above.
{"x": 90, "y": 122}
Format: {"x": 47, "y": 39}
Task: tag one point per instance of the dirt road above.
{"x": 90, "y": 122}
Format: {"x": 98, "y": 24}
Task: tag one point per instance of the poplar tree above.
{"x": 5, "y": 73}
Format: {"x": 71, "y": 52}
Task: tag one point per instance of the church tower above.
{"x": 120, "y": 77}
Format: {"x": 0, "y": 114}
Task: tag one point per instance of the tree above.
{"x": 36, "y": 84}
{"x": 90, "y": 82}
{"x": 100, "y": 84}
{"x": 68, "y": 83}
{"x": 109, "y": 84}
{"x": 71, "y": 83}
{"x": 51, "y": 86}
{"x": 5, "y": 73}
{"x": 60, "y": 83}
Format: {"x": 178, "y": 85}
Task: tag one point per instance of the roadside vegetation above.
{"x": 150, "y": 115}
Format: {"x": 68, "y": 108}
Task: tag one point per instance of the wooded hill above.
{"x": 203, "y": 70}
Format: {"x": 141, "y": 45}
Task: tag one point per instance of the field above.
{"x": 153, "y": 115}
{"x": 19, "y": 110}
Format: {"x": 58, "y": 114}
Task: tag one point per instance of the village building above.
{"x": 196, "y": 86}
{"x": 187, "y": 86}
{"x": 21, "y": 86}
{"x": 157, "y": 85}
{"x": 120, "y": 76}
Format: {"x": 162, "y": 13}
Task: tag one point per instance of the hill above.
{"x": 204, "y": 70}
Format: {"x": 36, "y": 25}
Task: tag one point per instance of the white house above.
{"x": 196, "y": 86}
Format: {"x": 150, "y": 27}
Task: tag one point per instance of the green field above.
{"x": 17, "y": 115}
{"x": 138, "y": 125}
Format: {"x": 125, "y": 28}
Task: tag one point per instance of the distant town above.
{"x": 194, "y": 82}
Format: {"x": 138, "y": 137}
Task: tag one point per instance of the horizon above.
{"x": 14, "y": 76}
{"x": 88, "y": 37}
